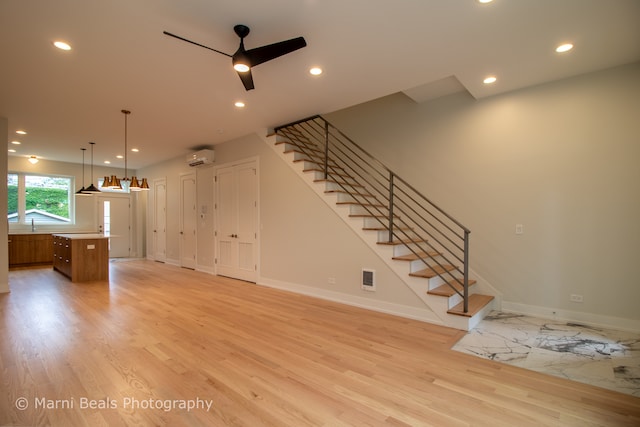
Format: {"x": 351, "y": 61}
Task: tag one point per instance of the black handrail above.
{"x": 430, "y": 233}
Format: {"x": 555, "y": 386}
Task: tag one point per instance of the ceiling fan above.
{"x": 243, "y": 60}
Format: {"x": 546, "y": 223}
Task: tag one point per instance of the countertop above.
{"x": 80, "y": 236}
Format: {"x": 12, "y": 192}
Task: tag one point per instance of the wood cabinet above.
{"x": 81, "y": 257}
{"x": 30, "y": 249}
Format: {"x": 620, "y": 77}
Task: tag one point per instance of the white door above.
{"x": 160, "y": 219}
{"x": 236, "y": 216}
{"x": 188, "y": 220}
{"x": 114, "y": 218}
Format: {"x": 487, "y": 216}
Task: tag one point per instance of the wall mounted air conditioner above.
{"x": 202, "y": 157}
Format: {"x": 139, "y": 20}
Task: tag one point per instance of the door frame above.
{"x": 113, "y": 196}
{"x": 182, "y": 177}
{"x": 258, "y": 225}
{"x": 154, "y": 204}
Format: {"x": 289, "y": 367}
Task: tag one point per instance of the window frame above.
{"x": 22, "y": 199}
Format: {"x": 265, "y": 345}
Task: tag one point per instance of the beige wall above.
{"x": 561, "y": 159}
{"x": 171, "y": 171}
{"x": 4, "y": 249}
{"x": 302, "y": 242}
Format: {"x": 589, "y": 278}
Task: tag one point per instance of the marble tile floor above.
{"x": 602, "y": 357}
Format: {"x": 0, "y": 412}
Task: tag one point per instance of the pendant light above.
{"x": 82, "y": 191}
{"x": 92, "y": 188}
{"x": 132, "y": 184}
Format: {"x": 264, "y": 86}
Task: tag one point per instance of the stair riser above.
{"x": 297, "y": 156}
{"x": 383, "y": 236}
{"x": 334, "y": 186}
{"x": 290, "y": 147}
{"x": 354, "y": 198}
{"x": 367, "y": 210}
{"x": 373, "y": 222}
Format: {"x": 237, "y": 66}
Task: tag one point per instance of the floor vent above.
{"x": 368, "y": 280}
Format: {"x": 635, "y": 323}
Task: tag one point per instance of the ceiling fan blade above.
{"x": 266, "y": 53}
{"x": 197, "y": 44}
{"x": 247, "y": 79}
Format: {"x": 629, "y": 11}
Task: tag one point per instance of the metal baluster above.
{"x": 326, "y": 149}
{"x": 391, "y": 176}
{"x": 466, "y": 271}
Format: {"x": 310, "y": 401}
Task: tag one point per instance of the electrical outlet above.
{"x": 576, "y": 298}
{"x": 519, "y": 229}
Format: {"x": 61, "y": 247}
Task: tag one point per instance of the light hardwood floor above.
{"x": 158, "y": 335}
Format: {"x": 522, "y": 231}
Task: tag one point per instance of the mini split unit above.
{"x": 202, "y": 157}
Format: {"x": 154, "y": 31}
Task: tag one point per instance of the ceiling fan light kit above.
{"x": 244, "y": 60}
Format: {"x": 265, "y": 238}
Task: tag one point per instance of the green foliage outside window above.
{"x": 12, "y": 206}
{"x": 52, "y": 200}
{"x": 43, "y": 193}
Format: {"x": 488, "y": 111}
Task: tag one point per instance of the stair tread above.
{"x": 445, "y": 290}
{"x": 476, "y": 303}
{"x": 302, "y": 150}
{"x": 430, "y": 272}
{"x": 332, "y": 166}
{"x": 320, "y": 169}
{"x": 402, "y": 242}
{"x": 368, "y": 215}
{"x": 415, "y": 257}
{"x": 350, "y": 193}
{"x": 354, "y": 202}
{"x": 382, "y": 228}
{"x": 332, "y": 181}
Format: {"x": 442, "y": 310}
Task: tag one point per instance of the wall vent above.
{"x": 368, "y": 280}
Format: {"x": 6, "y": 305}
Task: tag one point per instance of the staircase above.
{"x": 426, "y": 247}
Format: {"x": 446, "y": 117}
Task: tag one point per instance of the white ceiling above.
{"x": 181, "y": 96}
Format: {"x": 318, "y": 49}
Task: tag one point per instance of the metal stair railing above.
{"x": 405, "y": 215}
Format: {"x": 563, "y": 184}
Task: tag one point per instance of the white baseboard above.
{"x": 206, "y": 269}
{"x": 175, "y": 262}
{"x": 423, "y": 315}
{"x": 590, "y": 319}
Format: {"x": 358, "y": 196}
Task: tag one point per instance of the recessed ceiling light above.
{"x": 107, "y": 162}
{"x": 489, "y": 80}
{"x": 484, "y": 1}
{"x": 135, "y": 150}
{"x": 316, "y": 71}
{"x": 239, "y": 104}
{"x": 11, "y": 150}
{"x": 61, "y": 45}
{"x": 566, "y": 47}
{"x": 119, "y": 156}
{"x": 16, "y": 142}
{"x": 21, "y": 132}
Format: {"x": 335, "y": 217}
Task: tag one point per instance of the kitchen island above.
{"x": 81, "y": 257}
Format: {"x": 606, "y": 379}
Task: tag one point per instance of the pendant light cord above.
{"x": 83, "y": 150}
{"x": 126, "y": 172}
{"x": 92, "y": 161}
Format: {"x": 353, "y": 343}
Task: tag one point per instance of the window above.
{"x": 39, "y": 199}
{"x": 12, "y": 202}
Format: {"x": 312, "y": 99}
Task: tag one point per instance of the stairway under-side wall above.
{"x": 419, "y": 256}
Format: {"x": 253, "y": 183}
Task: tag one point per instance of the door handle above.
{"x": 233, "y": 235}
